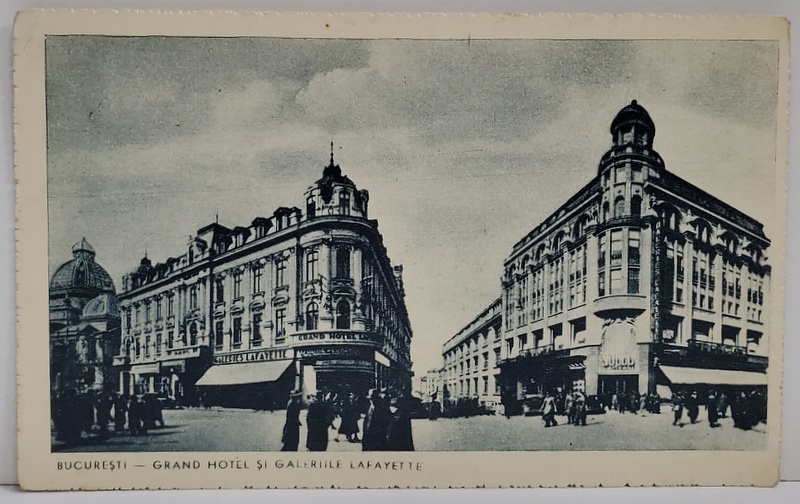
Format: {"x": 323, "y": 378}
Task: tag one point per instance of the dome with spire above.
{"x": 633, "y": 125}
{"x": 81, "y": 274}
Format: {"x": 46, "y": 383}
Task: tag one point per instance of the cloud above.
{"x": 464, "y": 146}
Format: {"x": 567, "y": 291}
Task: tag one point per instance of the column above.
{"x": 715, "y": 265}
{"x": 290, "y": 279}
{"x": 688, "y": 257}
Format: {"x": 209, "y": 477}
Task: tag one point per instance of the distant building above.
{"x": 304, "y": 298}
{"x": 431, "y": 385}
{"x": 639, "y": 282}
{"x": 84, "y": 325}
{"x": 471, "y": 359}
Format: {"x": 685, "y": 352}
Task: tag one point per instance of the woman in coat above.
{"x": 318, "y": 420}
{"x": 291, "y": 429}
{"x": 376, "y": 424}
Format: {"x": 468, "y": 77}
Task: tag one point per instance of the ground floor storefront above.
{"x": 264, "y": 379}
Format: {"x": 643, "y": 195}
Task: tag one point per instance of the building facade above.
{"x": 639, "y": 282}
{"x": 471, "y": 360}
{"x": 84, "y": 325}
{"x": 302, "y": 299}
{"x": 431, "y": 385}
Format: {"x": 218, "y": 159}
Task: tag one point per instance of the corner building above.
{"x": 302, "y": 299}
{"x": 640, "y": 282}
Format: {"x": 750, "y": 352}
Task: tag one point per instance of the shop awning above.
{"x": 245, "y": 373}
{"x": 694, "y": 376}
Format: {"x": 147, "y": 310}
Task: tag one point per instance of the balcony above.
{"x": 708, "y": 347}
{"x": 621, "y": 303}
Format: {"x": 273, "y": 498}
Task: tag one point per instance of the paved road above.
{"x": 222, "y": 430}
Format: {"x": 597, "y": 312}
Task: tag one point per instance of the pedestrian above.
{"x": 376, "y": 424}
{"x": 722, "y": 404}
{"x": 135, "y": 413}
{"x": 643, "y": 403}
{"x": 579, "y": 409}
{"x": 291, "y": 429}
{"x": 615, "y": 402}
{"x": 656, "y": 404}
{"x": 633, "y": 401}
{"x": 103, "y": 406}
{"x": 712, "y": 409}
{"x": 677, "y": 408}
{"x": 692, "y": 406}
{"x": 351, "y": 413}
{"x": 120, "y": 412}
{"x": 568, "y": 408}
{"x": 549, "y": 411}
{"x": 318, "y": 420}
{"x": 399, "y": 436}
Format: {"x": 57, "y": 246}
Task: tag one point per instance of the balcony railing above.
{"x": 716, "y": 348}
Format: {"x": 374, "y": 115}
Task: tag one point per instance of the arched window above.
{"x": 312, "y": 316}
{"x": 636, "y": 205}
{"x": 193, "y": 335}
{"x": 343, "y": 315}
{"x": 580, "y": 228}
{"x": 605, "y": 211}
{"x": 619, "y": 207}
{"x": 344, "y": 203}
{"x": 342, "y": 263}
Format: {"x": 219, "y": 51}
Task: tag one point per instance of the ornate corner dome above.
{"x": 81, "y": 274}
{"x": 633, "y": 125}
{"x": 332, "y": 174}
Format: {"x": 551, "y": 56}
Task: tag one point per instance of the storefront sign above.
{"x": 140, "y": 369}
{"x": 618, "y": 362}
{"x": 252, "y": 356}
{"x": 332, "y": 351}
{"x": 333, "y": 337}
{"x": 184, "y": 352}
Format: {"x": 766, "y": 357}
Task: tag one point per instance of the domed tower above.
{"x": 75, "y": 283}
{"x": 335, "y": 194}
{"x": 628, "y": 164}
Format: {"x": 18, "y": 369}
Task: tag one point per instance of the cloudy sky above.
{"x": 463, "y": 146}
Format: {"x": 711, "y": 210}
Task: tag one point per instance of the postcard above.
{"x": 490, "y": 250}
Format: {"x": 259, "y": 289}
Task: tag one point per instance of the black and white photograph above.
{"x": 410, "y": 244}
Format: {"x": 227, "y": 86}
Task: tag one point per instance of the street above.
{"x": 230, "y": 430}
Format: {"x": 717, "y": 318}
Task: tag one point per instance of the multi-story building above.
{"x": 471, "y": 359}
{"x": 303, "y": 299}
{"x": 638, "y": 281}
{"x": 84, "y": 325}
{"x": 431, "y": 385}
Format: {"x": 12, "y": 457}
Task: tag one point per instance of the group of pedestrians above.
{"x": 78, "y": 416}
{"x": 747, "y": 409}
{"x": 386, "y": 426}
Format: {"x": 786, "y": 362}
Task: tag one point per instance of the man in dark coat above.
{"x": 376, "y": 424}
{"x": 712, "y": 406}
{"x": 120, "y": 412}
{"x": 291, "y": 429}
{"x": 692, "y": 407}
{"x": 318, "y": 421}
{"x": 399, "y": 436}
{"x": 351, "y": 413}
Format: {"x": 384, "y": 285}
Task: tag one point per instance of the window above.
{"x": 312, "y": 259}
{"x": 280, "y": 325}
{"x": 342, "y": 263}
{"x": 280, "y": 272}
{"x": 344, "y": 203}
{"x": 256, "y": 329}
{"x": 237, "y": 285}
{"x": 170, "y": 339}
{"x": 312, "y": 316}
{"x": 193, "y": 297}
{"x": 147, "y": 347}
{"x": 236, "y": 335}
{"x": 219, "y": 290}
{"x": 219, "y": 334}
{"x": 147, "y": 312}
{"x": 636, "y": 205}
{"x": 257, "y": 272}
{"x": 127, "y": 320}
{"x": 605, "y": 211}
{"x": 601, "y": 284}
{"x": 616, "y": 281}
{"x": 158, "y": 309}
{"x": 633, "y": 281}
{"x": 485, "y": 384}
{"x": 170, "y": 306}
{"x": 619, "y": 207}
{"x": 311, "y": 208}
{"x": 138, "y": 348}
{"x": 193, "y": 335}
{"x": 343, "y": 315}
{"x": 616, "y": 247}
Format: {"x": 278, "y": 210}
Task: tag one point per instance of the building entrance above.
{"x": 617, "y": 384}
